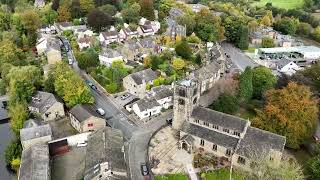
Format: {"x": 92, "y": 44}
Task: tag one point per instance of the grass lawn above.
{"x": 172, "y": 177}
{"x": 285, "y": 4}
{"x": 222, "y": 174}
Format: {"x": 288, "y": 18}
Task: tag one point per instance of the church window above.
{"x": 226, "y": 130}
{"x": 201, "y": 142}
{"x": 241, "y": 160}
{"x": 182, "y": 93}
{"x": 236, "y": 133}
{"x": 228, "y": 152}
{"x": 181, "y": 102}
{"x": 214, "y": 147}
{"x": 206, "y": 124}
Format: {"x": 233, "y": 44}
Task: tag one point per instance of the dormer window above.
{"x": 236, "y": 133}
{"x": 206, "y": 124}
{"x": 226, "y": 130}
{"x": 215, "y": 127}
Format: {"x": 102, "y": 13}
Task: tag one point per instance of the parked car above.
{"x": 144, "y": 169}
{"x": 100, "y": 111}
{"x": 169, "y": 121}
{"x": 82, "y": 144}
{"x": 125, "y": 96}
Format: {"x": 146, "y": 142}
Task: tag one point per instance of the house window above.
{"x": 214, "y": 147}
{"x": 236, "y": 133}
{"x": 228, "y": 152}
{"x": 197, "y": 121}
{"x": 206, "y": 124}
{"x": 215, "y": 127}
{"x": 90, "y": 124}
{"x": 201, "y": 142}
{"x": 241, "y": 160}
{"x": 225, "y": 130}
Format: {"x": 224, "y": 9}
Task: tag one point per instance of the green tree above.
{"x": 88, "y": 58}
{"x": 109, "y": 9}
{"x": 226, "y": 103}
{"x": 13, "y": 151}
{"x": 19, "y": 114}
{"x": 182, "y": 49}
{"x": 178, "y": 64}
{"x": 131, "y": 14}
{"x": 245, "y": 85}
{"x": 86, "y": 6}
{"x": 49, "y": 83}
{"x": 243, "y": 42}
{"x": 313, "y": 73}
{"x": 291, "y": 112}
{"x": 198, "y": 59}
{"x": 10, "y": 53}
{"x": 262, "y": 80}
{"x": 266, "y": 21}
{"x": 15, "y": 164}
{"x": 313, "y": 168}
{"x": 233, "y": 26}
{"x": 155, "y": 62}
{"x": 100, "y": 23}
{"x": 189, "y": 21}
{"x": 286, "y": 25}
{"x": 31, "y": 21}
{"x": 2, "y": 87}
{"x": 267, "y": 42}
{"x": 147, "y": 10}
{"x": 316, "y": 33}
{"x": 304, "y": 29}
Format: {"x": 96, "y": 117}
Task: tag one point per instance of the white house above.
{"x": 108, "y": 56}
{"x": 106, "y": 38}
{"x": 163, "y": 95}
{"x": 146, "y": 107}
{"x": 81, "y": 33}
{"x": 127, "y": 33}
{"x": 287, "y": 67}
{"x": 147, "y": 28}
{"x": 84, "y": 42}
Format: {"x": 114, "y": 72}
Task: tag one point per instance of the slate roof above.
{"x": 219, "y": 118}
{"x": 163, "y": 93}
{"x": 83, "y": 111}
{"x": 31, "y": 123}
{"x": 283, "y": 62}
{"x": 53, "y": 44}
{"x": 147, "y": 103}
{"x": 147, "y": 42}
{"x": 258, "y": 142}
{"x": 110, "y": 53}
{"x": 35, "y": 163}
{"x": 129, "y": 32}
{"x": 210, "y": 135}
{"x": 146, "y": 75}
{"x": 105, "y": 145}
{"x": 35, "y": 132}
{"x": 110, "y": 34}
{"x": 43, "y": 101}
{"x": 207, "y": 72}
{"x": 175, "y": 12}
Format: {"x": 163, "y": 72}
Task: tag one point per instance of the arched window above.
{"x": 195, "y": 100}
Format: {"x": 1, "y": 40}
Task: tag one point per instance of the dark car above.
{"x": 144, "y": 169}
{"x": 169, "y": 121}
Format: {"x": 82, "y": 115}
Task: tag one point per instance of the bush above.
{"x": 226, "y": 103}
{"x": 13, "y": 151}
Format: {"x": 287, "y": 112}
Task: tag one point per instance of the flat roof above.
{"x": 299, "y": 49}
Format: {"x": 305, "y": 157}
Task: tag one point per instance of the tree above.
{"x": 189, "y": 21}
{"x": 75, "y": 9}
{"x": 155, "y": 62}
{"x": 13, "y": 151}
{"x": 31, "y": 21}
{"x": 316, "y": 34}
{"x": 15, "y": 164}
{"x": 50, "y": 16}
{"x": 226, "y": 103}
{"x": 49, "y": 83}
{"x": 286, "y": 25}
{"x": 87, "y": 59}
{"x": 262, "y": 80}
{"x": 55, "y": 4}
{"x": 109, "y": 9}
{"x": 86, "y": 6}
{"x": 266, "y": 21}
{"x": 313, "y": 73}
{"x": 10, "y": 53}
{"x": 267, "y": 42}
{"x": 304, "y": 29}
{"x": 147, "y": 10}
{"x": 243, "y": 42}
{"x": 198, "y": 59}
{"x": 313, "y": 168}
{"x": 291, "y": 112}
{"x": 131, "y": 14}
{"x": 64, "y": 13}
{"x": 234, "y": 29}
{"x": 245, "y": 85}
{"x": 182, "y": 49}
{"x": 70, "y": 86}
{"x": 178, "y": 64}
{"x": 253, "y": 25}
{"x": 103, "y": 21}
{"x": 2, "y": 87}
{"x": 19, "y": 114}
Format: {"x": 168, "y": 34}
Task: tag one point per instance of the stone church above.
{"x": 221, "y": 134}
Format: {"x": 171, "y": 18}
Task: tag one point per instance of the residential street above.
{"x": 137, "y": 138}
{"x": 237, "y": 57}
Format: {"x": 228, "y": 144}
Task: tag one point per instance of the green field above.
{"x": 172, "y": 177}
{"x": 286, "y": 4}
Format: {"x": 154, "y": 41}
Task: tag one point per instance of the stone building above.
{"x": 221, "y": 134}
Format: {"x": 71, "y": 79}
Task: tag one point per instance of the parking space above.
{"x": 124, "y": 98}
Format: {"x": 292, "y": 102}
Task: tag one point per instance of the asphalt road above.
{"x": 237, "y": 56}
{"x": 137, "y": 138}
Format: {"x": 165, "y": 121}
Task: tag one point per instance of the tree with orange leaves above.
{"x": 291, "y": 112}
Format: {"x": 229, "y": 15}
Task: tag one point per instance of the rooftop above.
{"x": 110, "y": 53}
{"x": 35, "y": 132}
{"x": 219, "y": 118}
{"x": 163, "y": 93}
{"x": 207, "y": 71}
{"x": 43, "y": 101}
{"x": 35, "y": 163}
{"x": 146, "y": 76}
{"x": 147, "y": 103}
{"x": 105, "y": 145}
{"x": 298, "y": 49}
{"x": 187, "y": 82}
{"x": 83, "y": 111}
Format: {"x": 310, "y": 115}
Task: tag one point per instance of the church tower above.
{"x": 186, "y": 96}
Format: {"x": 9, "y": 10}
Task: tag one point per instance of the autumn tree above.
{"x": 64, "y": 13}
{"x": 100, "y": 23}
{"x": 147, "y": 10}
{"x": 31, "y": 21}
{"x": 178, "y": 64}
{"x": 291, "y": 112}
{"x": 262, "y": 80}
{"x": 19, "y": 114}
{"x": 10, "y": 53}
{"x": 86, "y": 6}
{"x": 266, "y": 21}
{"x": 245, "y": 85}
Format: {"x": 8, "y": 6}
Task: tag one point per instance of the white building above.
{"x": 146, "y": 107}
{"x": 287, "y": 67}
{"x": 163, "y": 95}
{"x": 106, "y": 38}
{"x": 108, "y": 56}
{"x": 306, "y": 52}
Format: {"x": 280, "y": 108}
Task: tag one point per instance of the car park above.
{"x": 100, "y": 111}
{"x": 144, "y": 169}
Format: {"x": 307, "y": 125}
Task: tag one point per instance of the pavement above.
{"x": 240, "y": 59}
{"x": 137, "y": 138}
